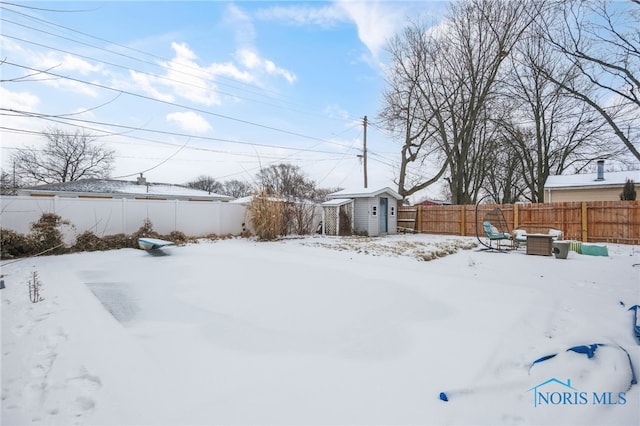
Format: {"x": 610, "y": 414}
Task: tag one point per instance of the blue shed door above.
{"x": 384, "y": 215}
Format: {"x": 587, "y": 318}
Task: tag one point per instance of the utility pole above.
{"x": 364, "y": 150}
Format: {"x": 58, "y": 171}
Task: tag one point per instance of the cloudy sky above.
{"x": 182, "y": 89}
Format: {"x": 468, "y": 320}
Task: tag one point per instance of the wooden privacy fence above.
{"x": 589, "y": 221}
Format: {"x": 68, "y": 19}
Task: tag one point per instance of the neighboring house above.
{"x": 599, "y": 186}
{"x": 432, "y": 202}
{"x": 374, "y": 211}
{"x": 109, "y": 188}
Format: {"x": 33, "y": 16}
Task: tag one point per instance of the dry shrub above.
{"x": 118, "y": 241}
{"x": 13, "y": 245}
{"x": 266, "y": 217}
{"x": 46, "y": 234}
{"x": 88, "y": 241}
{"x": 146, "y": 230}
{"x": 178, "y": 237}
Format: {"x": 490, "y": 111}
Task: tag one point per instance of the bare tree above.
{"x": 549, "y": 129}
{"x": 406, "y": 114}
{"x": 297, "y": 194}
{"x": 602, "y": 39}
{"x": 451, "y": 77}
{"x": 8, "y": 184}
{"x": 65, "y": 157}
{"x": 286, "y": 180}
{"x": 207, "y": 183}
{"x": 237, "y": 188}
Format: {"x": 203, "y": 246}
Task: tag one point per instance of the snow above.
{"x": 120, "y": 187}
{"x": 321, "y": 330}
{"x": 591, "y": 179}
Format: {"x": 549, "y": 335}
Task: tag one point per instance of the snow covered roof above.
{"x": 590, "y": 180}
{"x": 337, "y": 202}
{"x": 122, "y": 188}
{"x": 364, "y": 193}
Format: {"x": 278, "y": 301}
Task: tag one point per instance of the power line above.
{"x": 66, "y": 120}
{"x": 138, "y": 59}
{"x": 174, "y": 104}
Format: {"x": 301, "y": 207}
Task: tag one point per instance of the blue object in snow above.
{"x": 443, "y": 397}
{"x": 544, "y": 358}
{"x": 588, "y": 350}
{"x": 636, "y": 325}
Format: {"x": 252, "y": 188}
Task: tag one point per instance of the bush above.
{"x": 146, "y": 230}
{"x": 628, "y": 191}
{"x": 13, "y": 245}
{"x": 88, "y": 241}
{"x": 46, "y": 236}
{"x": 119, "y": 241}
{"x": 266, "y": 217}
{"x": 178, "y": 237}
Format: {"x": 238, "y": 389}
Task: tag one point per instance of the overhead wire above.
{"x": 155, "y": 64}
{"x": 175, "y": 104}
{"x": 120, "y": 92}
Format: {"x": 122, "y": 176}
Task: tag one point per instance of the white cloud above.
{"x": 23, "y": 101}
{"x": 377, "y": 21}
{"x": 246, "y": 53}
{"x": 67, "y": 63}
{"x": 253, "y": 61}
{"x": 188, "y": 79}
{"x": 324, "y": 16}
{"x": 242, "y": 25}
{"x": 335, "y": 111}
{"x": 145, "y": 83}
{"x": 189, "y": 121}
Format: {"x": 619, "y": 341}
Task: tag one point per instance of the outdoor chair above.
{"x": 495, "y": 236}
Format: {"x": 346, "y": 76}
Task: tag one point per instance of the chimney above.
{"x": 600, "y": 170}
{"x": 142, "y": 180}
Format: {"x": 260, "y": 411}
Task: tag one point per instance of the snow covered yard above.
{"x": 321, "y": 331}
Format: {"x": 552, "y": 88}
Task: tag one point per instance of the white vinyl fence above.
{"x": 125, "y": 216}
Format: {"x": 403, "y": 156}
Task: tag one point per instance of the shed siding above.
{"x": 361, "y": 215}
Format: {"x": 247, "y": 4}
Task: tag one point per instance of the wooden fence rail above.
{"x": 590, "y": 221}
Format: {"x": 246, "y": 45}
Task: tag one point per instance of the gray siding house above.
{"x": 374, "y": 210}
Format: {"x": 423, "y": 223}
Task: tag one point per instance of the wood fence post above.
{"x": 419, "y": 219}
{"x": 516, "y": 219}
{"x": 463, "y": 220}
{"x": 585, "y": 223}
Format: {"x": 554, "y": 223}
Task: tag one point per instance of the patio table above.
{"x": 539, "y": 244}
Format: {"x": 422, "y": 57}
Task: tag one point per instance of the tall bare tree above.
{"x": 451, "y": 73}
{"x": 406, "y": 114}
{"x": 286, "y": 180}
{"x": 65, "y": 157}
{"x": 602, "y": 39}
{"x": 549, "y": 129}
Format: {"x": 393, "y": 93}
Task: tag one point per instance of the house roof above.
{"x": 122, "y": 188}
{"x": 589, "y": 180}
{"x": 364, "y": 193}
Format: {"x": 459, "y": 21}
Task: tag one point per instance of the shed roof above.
{"x": 337, "y": 202}
{"x": 364, "y": 193}
{"x": 589, "y": 180}
{"x": 122, "y": 188}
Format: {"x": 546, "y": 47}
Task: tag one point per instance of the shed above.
{"x": 337, "y": 216}
{"x": 374, "y": 211}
